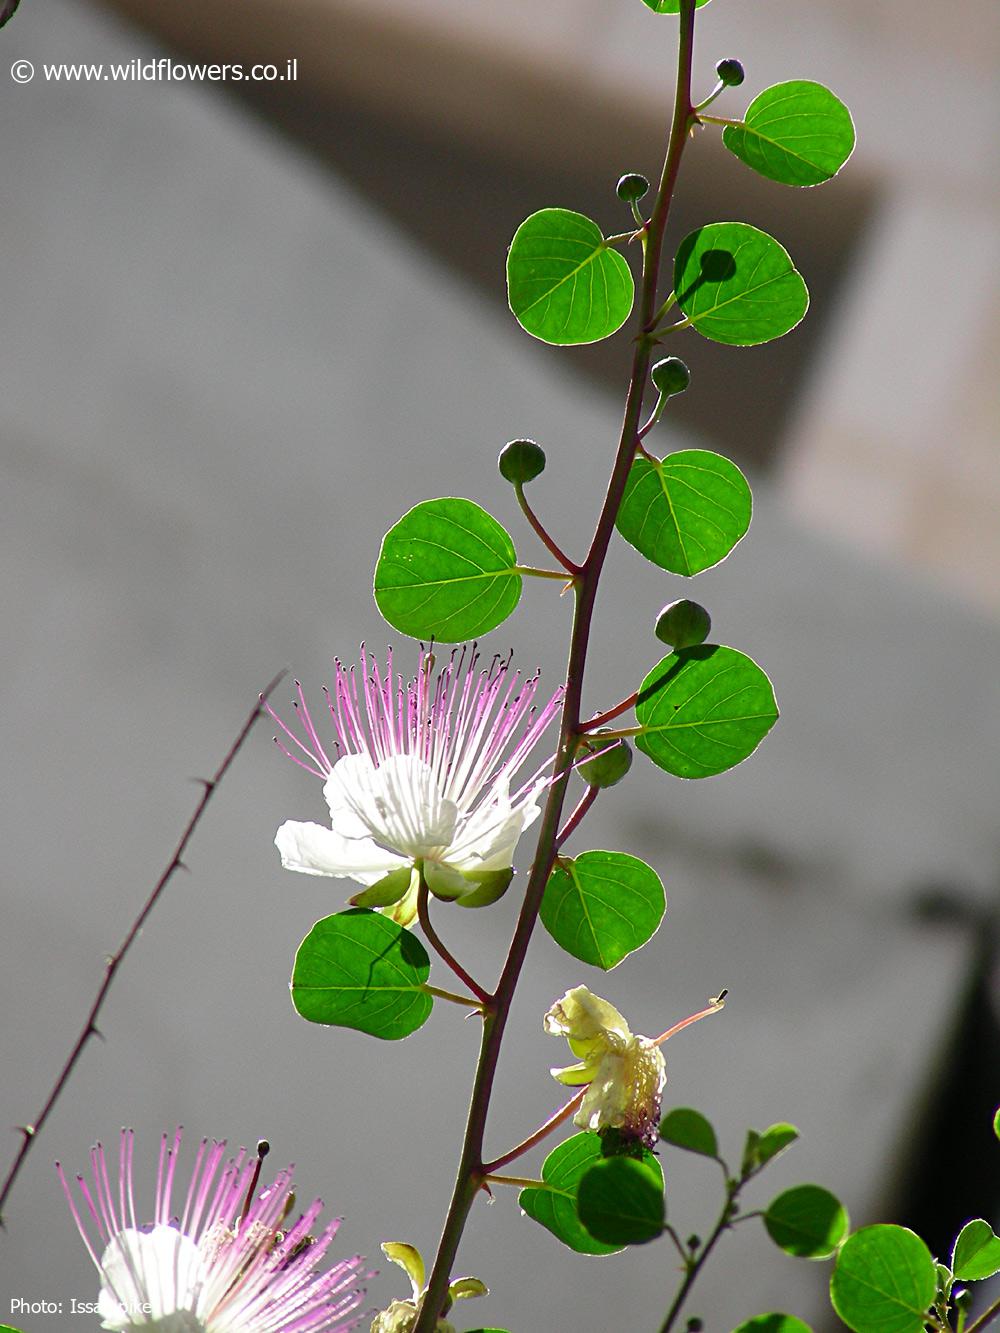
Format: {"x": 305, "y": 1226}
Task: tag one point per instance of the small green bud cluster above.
{"x": 521, "y": 461}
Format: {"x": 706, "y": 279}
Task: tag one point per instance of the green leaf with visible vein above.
{"x": 360, "y": 970}
{"x": 884, "y": 1281}
{"x": 554, "y": 1205}
{"x": 687, "y": 512}
{"x": 704, "y": 710}
{"x": 564, "y": 284}
{"x": 602, "y": 906}
{"x": 738, "y": 285}
{"x": 797, "y": 133}
{"x": 447, "y": 571}
{"x": 977, "y": 1252}
{"x": 807, "y": 1221}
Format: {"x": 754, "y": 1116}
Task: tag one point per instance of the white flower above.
{"x": 422, "y": 781}
{"x": 626, "y": 1073}
{"x": 226, "y": 1265}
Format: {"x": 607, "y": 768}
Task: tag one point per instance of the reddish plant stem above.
{"x": 599, "y": 719}
{"x": 29, "y": 1132}
{"x": 586, "y": 801}
{"x": 544, "y": 536}
{"x": 471, "y": 1174}
{"x": 553, "y": 1122}
{"x": 424, "y": 917}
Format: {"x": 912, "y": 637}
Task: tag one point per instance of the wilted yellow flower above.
{"x": 401, "y": 1316}
{"x": 626, "y": 1073}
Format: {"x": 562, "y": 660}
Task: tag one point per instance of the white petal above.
{"x": 150, "y": 1276}
{"x": 398, "y": 803}
{"x": 315, "y": 850}
{"x": 487, "y": 837}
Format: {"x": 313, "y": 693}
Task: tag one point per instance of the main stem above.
{"x": 471, "y": 1174}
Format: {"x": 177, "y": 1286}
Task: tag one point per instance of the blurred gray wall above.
{"x": 223, "y": 377}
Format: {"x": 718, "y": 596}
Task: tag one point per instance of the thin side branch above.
{"x": 437, "y": 944}
{"x": 30, "y": 1132}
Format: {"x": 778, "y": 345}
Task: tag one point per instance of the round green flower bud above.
{"x": 521, "y": 461}
{"x": 683, "y": 624}
{"x": 632, "y": 187}
{"x": 612, "y": 760}
{"x": 730, "y": 73}
{"x": 670, "y": 375}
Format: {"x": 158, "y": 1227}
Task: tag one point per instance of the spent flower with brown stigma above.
{"x": 421, "y": 780}
{"x": 228, "y": 1263}
{"x": 626, "y": 1074}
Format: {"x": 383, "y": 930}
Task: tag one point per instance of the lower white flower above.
{"x": 226, "y": 1265}
{"x": 626, "y": 1074}
{"x": 422, "y": 781}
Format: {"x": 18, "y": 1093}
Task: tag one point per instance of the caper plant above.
{"x": 437, "y": 761}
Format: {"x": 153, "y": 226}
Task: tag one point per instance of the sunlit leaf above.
{"x": 884, "y": 1281}
{"x": 555, "y": 1206}
{"x": 977, "y": 1252}
{"x": 738, "y": 285}
{"x": 446, "y": 571}
{"x": 686, "y": 512}
{"x": 703, "y": 710}
{"x": 601, "y": 906}
{"x": 564, "y": 283}
{"x": 360, "y": 970}
{"x": 797, "y": 133}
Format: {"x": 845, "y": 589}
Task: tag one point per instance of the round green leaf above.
{"x": 884, "y": 1281}
{"x": 564, "y": 284}
{"x": 703, "y": 710}
{"x": 669, "y": 6}
{"x": 977, "y": 1252}
{"x": 686, "y": 512}
{"x": 620, "y": 1201}
{"x": 689, "y": 1129}
{"x": 807, "y": 1221}
{"x": 360, "y": 970}
{"x": 996, "y": 1123}
{"x": 447, "y": 570}
{"x": 738, "y": 285}
{"x": 773, "y": 1323}
{"x": 797, "y": 133}
{"x": 554, "y": 1207}
{"x": 8, "y": 1328}
{"x": 601, "y": 906}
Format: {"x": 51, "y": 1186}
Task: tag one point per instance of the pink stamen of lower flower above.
{"x": 246, "y": 1270}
